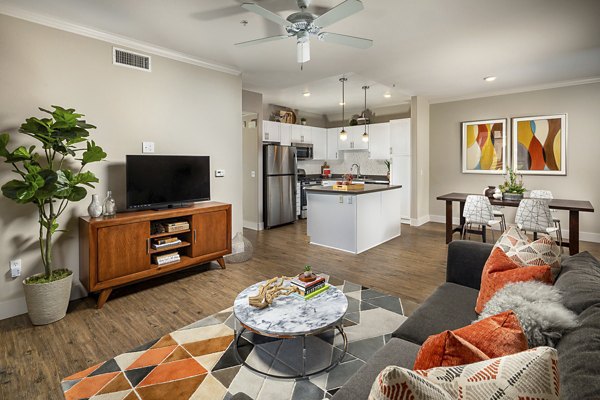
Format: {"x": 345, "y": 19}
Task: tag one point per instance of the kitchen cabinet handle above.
{"x": 391, "y": 151}
{"x": 195, "y": 236}
{"x": 148, "y": 246}
{"x": 267, "y": 135}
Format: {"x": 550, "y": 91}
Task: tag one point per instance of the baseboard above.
{"x": 420, "y": 221}
{"x": 583, "y": 236}
{"x": 250, "y": 225}
{"x": 13, "y": 307}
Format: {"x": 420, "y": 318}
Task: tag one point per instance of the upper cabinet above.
{"x": 400, "y": 137}
{"x": 354, "y": 140}
{"x": 271, "y": 131}
{"x": 332, "y": 143}
{"x": 379, "y": 141}
{"x": 319, "y": 141}
{"x": 301, "y": 134}
{"x": 285, "y": 134}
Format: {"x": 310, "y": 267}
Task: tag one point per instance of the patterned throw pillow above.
{"x": 499, "y": 270}
{"x": 531, "y": 374}
{"x": 520, "y": 249}
{"x": 495, "y": 336}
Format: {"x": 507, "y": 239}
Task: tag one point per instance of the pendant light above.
{"x": 365, "y": 135}
{"x": 343, "y": 133}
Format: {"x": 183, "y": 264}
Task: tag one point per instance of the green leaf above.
{"x": 85, "y": 178}
{"x": 4, "y": 139}
{"x": 93, "y": 153}
{"x": 19, "y": 191}
{"x": 77, "y": 193}
{"x": 53, "y": 225}
{"x": 63, "y": 183}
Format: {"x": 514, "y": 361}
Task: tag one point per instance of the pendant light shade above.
{"x": 343, "y": 133}
{"x": 365, "y": 135}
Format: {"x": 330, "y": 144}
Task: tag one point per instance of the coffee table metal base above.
{"x": 303, "y": 375}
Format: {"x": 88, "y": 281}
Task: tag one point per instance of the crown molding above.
{"x": 523, "y": 89}
{"x": 115, "y": 39}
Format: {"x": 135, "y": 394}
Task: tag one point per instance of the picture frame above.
{"x": 484, "y": 146}
{"x": 539, "y": 145}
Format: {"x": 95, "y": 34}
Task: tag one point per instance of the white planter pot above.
{"x": 48, "y": 302}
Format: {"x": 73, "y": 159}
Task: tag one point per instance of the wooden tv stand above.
{"x": 117, "y": 251}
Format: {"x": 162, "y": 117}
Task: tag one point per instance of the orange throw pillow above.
{"x": 499, "y": 270}
{"x": 496, "y": 336}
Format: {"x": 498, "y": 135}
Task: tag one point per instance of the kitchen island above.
{"x": 354, "y": 220}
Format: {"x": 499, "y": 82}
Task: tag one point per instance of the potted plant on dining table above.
{"x": 513, "y": 187}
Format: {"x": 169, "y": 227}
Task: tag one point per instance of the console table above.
{"x": 116, "y": 251}
{"x": 573, "y": 206}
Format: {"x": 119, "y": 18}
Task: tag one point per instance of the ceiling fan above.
{"x": 302, "y": 25}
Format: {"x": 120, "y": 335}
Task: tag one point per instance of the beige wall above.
{"x": 184, "y": 109}
{"x": 581, "y": 103}
{"x": 420, "y": 138}
{"x": 250, "y": 164}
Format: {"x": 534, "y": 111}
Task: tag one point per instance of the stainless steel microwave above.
{"x": 304, "y": 151}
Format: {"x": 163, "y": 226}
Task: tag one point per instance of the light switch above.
{"x": 219, "y": 173}
{"x": 147, "y": 147}
{"x": 253, "y": 174}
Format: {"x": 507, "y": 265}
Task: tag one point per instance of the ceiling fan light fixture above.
{"x": 303, "y": 51}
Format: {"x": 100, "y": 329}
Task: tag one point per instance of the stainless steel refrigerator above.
{"x": 279, "y": 185}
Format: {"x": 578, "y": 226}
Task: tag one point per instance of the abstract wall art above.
{"x": 539, "y": 145}
{"x": 484, "y": 147}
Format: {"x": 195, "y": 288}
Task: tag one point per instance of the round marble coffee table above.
{"x": 292, "y": 317}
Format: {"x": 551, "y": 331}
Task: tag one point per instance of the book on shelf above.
{"x": 167, "y": 258}
{"x": 166, "y": 240}
{"x": 157, "y": 246}
{"x": 177, "y": 226}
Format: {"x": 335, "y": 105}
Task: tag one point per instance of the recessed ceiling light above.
{"x": 342, "y": 103}
{"x": 387, "y": 95}
{"x": 306, "y": 94}
{"x": 489, "y": 78}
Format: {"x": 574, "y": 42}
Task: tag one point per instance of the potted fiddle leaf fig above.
{"x": 50, "y": 178}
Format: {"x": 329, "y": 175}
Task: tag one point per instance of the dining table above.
{"x": 573, "y": 206}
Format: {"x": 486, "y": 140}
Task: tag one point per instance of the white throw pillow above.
{"x": 529, "y": 374}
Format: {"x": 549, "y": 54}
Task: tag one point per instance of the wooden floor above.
{"x": 33, "y": 360}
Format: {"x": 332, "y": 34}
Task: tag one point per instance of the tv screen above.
{"x": 166, "y": 181}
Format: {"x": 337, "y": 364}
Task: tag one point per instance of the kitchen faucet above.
{"x": 357, "y": 169}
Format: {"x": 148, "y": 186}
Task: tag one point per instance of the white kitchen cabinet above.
{"x": 333, "y": 135}
{"x": 354, "y": 141}
{"x": 319, "y": 141}
{"x": 270, "y": 131}
{"x": 379, "y": 141}
{"x": 400, "y": 137}
{"x": 301, "y": 134}
{"x": 285, "y": 132}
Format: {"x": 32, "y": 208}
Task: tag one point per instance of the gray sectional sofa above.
{"x": 452, "y": 306}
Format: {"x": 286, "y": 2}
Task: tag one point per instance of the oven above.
{"x": 304, "y": 151}
{"x": 303, "y": 203}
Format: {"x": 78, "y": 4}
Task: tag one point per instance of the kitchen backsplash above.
{"x": 342, "y": 166}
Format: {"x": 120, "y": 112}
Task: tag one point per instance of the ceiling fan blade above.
{"x": 263, "y": 12}
{"x": 263, "y": 40}
{"x": 346, "y": 40}
{"x": 339, "y": 12}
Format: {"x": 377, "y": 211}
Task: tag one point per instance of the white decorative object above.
{"x": 95, "y": 207}
{"x": 498, "y": 194}
{"x": 110, "y": 207}
{"x": 47, "y": 302}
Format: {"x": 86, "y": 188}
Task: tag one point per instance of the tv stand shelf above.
{"x": 117, "y": 251}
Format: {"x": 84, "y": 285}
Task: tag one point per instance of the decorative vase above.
{"x": 512, "y": 196}
{"x": 47, "y": 302}
{"x": 95, "y": 207}
{"x": 110, "y": 208}
{"x": 489, "y": 192}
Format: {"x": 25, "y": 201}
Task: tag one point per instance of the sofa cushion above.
{"x": 496, "y": 336}
{"x": 395, "y": 352}
{"x": 579, "y": 281}
{"x": 499, "y": 270}
{"x": 530, "y": 374}
{"x": 579, "y": 358}
{"x": 450, "y": 307}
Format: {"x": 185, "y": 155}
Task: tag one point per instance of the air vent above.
{"x": 129, "y": 59}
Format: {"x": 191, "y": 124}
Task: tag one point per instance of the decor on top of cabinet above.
{"x": 287, "y": 117}
{"x": 489, "y": 191}
{"x": 540, "y": 145}
{"x": 484, "y": 147}
{"x": 51, "y": 180}
{"x": 303, "y": 121}
{"x": 512, "y": 188}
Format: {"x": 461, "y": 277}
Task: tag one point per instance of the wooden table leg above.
{"x": 103, "y": 297}
{"x": 462, "y": 212}
{"x": 483, "y": 234}
{"x": 221, "y": 262}
{"x": 448, "y": 221}
{"x": 573, "y": 232}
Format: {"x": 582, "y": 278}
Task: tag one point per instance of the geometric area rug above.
{"x": 197, "y": 361}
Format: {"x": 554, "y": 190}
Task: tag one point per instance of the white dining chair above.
{"x": 478, "y": 211}
{"x": 533, "y": 215}
{"x": 547, "y": 195}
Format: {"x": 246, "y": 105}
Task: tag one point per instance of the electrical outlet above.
{"x": 147, "y": 147}
{"x": 219, "y": 173}
{"x": 15, "y": 268}
{"x": 253, "y": 174}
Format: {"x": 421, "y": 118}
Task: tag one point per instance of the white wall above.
{"x": 183, "y": 108}
{"x": 581, "y": 103}
{"x": 420, "y": 137}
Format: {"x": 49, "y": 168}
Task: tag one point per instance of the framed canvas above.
{"x": 539, "y": 145}
{"x": 484, "y": 147}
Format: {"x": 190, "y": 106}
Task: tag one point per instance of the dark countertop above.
{"x": 368, "y": 189}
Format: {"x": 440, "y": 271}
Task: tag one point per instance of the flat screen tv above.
{"x": 166, "y": 181}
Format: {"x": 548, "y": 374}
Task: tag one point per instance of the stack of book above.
{"x": 167, "y": 258}
{"x": 177, "y": 226}
{"x": 312, "y": 288}
{"x": 165, "y": 242}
